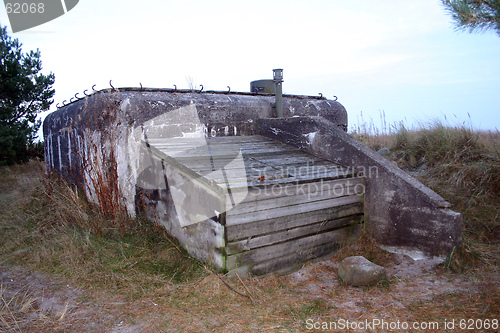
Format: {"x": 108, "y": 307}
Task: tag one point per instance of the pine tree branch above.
{"x": 474, "y": 14}
{"x": 487, "y": 3}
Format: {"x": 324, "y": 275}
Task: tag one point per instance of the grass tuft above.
{"x": 53, "y": 232}
{"x": 463, "y": 166}
{"x": 134, "y": 276}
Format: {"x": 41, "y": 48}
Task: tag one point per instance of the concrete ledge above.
{"x": 399, "y": 210}
{"x": 118, "y": 121}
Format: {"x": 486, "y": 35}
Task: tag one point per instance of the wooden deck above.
{"x": 278, "y": 206}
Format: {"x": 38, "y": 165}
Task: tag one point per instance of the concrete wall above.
{"x": 109, "y": 129}
{"x": 108, "y": 125}
{"x": 399, "y": 210}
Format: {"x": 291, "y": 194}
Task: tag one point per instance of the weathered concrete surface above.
{"x": 117, "y": 122}
{"x": 110, "y": 130}
{"x": 359, "y": 271}
{"x": 399, "y": 210}
{"x": 204, "y": 240}
{"x": 107, "y": 131}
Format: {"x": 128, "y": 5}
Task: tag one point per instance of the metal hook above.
{"x": 175, "y": 87}
{"x": 336, "y": 98}
{"x": 111, "y": 85}
{"x": 57, "y": 106}
{"x": 77, "y": 96}
{"x": 71, "y": 100}
{"x": 228, "y": 89}
{"x": 85, "y": 93}
{"x": 93, "y": 87}
{"x": 320, "y": 95}
{"x": 201, "y": 88}
{"x": 64, "y": 103}
{"x": 141, "y": 85}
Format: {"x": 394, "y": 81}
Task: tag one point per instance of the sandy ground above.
{"x": 57, "y": 306}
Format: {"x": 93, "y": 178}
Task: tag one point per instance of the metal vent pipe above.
{"x": 278, "y": 80}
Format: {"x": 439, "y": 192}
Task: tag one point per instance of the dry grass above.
{"x": 15, "y": 310}
{"x": 46, "y": 223}
{"x": 136, "y": 278}
{"x": 463, "y": 166}
{"x": 366, "y": 247}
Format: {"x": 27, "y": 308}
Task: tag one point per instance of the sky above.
{"x": 398, "y": 58}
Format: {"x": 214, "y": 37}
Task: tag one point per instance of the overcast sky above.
{"x": 401, "y": 57}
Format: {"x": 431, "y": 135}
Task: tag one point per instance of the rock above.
{"x": 384, "y": 151}
{"x": 359, "y": 271}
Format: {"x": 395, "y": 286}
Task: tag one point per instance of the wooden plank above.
{"x": 292, "y": 210}
{"x": 263, "y": 198}
{"x": 288, "y": 201}
{"x": 268, "y": 186}
{"x": 204, "y": 152}
{"x": 294, "y": 261}
{"x": 214, "y": 180}
{"x": 240, "y": 169}
{"x": 185, "y": 148}
{"x": 260, "y": 148}
{"x": 296, "y": 169}
{"x": 176, "y": 146}
{"x": 239, "y": 177}
{"x": 200, "y": 164}
{"x": 186, "y": 144}
{"x": 210, "y": 185}
{"x": 289, "y": 234}
{"x": 240, "y": 139}
{"x": 299, "y": 247}
{"x": 294, "y": 165}
{"x": 255, "y": 164}
{"x": 297, "y": 157}
{"x": 228, "y": 139}
{"x": 255, "y": 184}
{"x": 248, "y": 141}
{"x": 243, "y": 231}
{"x": 241, "y": 180}
{"x": 201, "y": 158}
{"x": 218, "y": 146}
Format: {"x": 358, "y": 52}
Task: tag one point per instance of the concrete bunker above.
{"x": 240, "y": 189}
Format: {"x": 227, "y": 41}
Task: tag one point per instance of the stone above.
{"x": 384, "y": 151}
{"x": 359, "y": 271}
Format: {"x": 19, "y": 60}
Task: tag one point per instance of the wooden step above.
{"x": 278, "y": 206}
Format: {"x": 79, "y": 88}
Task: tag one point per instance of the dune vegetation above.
{"x": 68, "y": 266}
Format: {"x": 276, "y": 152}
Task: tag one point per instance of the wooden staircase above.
{"x": 276, "y": 205}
